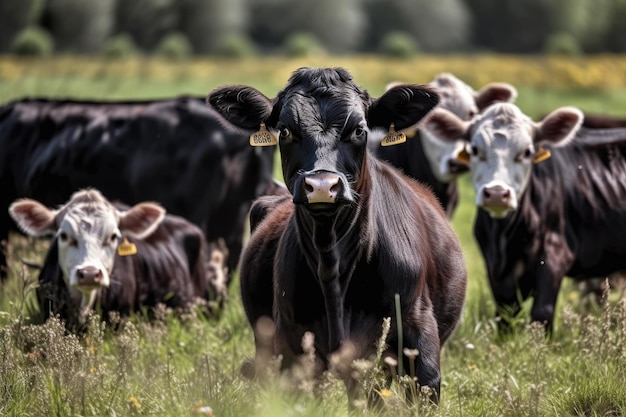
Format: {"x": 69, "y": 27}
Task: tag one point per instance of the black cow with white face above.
{"x": 356, "y": 231}
{"x": 551, "y": 197}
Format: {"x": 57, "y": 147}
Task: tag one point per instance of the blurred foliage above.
{"x": 562, "y": 44}
{"x": 398, "y": 45}
{"x": 340, "y": 26}
{"x": 236, "y": 46}
{"x": 174, "y": 45}
{"x": 120, "y": 46}
{"x": 33, "y": 41}
{"x": 301, "y": 44}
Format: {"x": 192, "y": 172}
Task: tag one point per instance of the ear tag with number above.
{"x": 126, "y": 248}
{"x": 263, "y": 137}
{"x": 541, "y": 155}
{"x": 392, "y": 137}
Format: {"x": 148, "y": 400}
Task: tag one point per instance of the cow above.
{"x": 177, "y": 152}
{"x": 433, "y": 161}
{"x": 121, "y": 260}
{"x": 551, "y": 198}
{"x": 355, "y": 232}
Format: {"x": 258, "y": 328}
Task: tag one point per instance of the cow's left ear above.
{"x": 403, "y": 105}
{"x": 33, "y": 218}
{"x": 493, "y": 92}
{"x": 243, "y": 106}
{"x": 141, "y": 220}
{"x": 559, "y": 127}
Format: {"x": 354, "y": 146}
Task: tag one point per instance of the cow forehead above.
{"x": 503, "y": 126}
{"x": 319, "y": 115}
{"x": 455, "y": 96}
{"x": 321, "y": 99}
{"x": 83, "y": 220}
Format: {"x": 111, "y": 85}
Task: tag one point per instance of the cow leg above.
{"x": 424, "y": 336}
{"x": 545, "y": 300}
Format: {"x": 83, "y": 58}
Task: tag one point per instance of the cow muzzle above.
{"x": 497, "y": 200}
{"x": 90, "y": 278}
{"x": 321, "y": 188}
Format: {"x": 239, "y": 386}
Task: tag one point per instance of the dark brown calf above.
{"x": 355, "y": 232}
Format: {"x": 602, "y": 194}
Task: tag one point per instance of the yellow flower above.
{"x": 134, "y": 403}
{"x": 384, "y": 393}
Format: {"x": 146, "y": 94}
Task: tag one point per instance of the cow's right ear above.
{"x": 446, "y": 126}
{"x": 243, "y": 106}
{"x": 33, "y": 218}
{"x": 141, "y": 220}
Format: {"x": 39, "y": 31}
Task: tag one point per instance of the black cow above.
{"x": 355, "y": 232}
{"x": 177, "y": 152}
{"x": 431, "y": 160}
{"x": 539, "y": 222}
{"x": 118, "y": 259}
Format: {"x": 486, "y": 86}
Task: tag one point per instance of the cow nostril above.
{"x": 506, "y": 194}
{"x": 334, "y": 188}
{"x": 307, "y": 186}
{"x": 486, "y": 193}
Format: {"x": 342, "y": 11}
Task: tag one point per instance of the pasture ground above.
{"x": 180, "y": 366}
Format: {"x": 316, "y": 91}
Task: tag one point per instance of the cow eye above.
{"x": 474, "y": 150}
{"x": 284, "y": 133}
{"x": 526, "y": 154}
{"x": 359, "y": 132}
{"x": 66, "y": 239}
{"x": 471, "y": 114}
{"x": 113, "y": 238}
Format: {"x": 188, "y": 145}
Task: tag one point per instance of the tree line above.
{"x": 237, "y": 27}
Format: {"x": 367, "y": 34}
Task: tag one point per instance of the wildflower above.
{"x": 385, "y": 393}
{"x": 202, "y": 409}
{"x": 134, "y": 404}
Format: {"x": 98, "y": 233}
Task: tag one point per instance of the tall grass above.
{"x": 190, "y": 365}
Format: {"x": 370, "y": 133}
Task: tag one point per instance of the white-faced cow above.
{"x": 176, "y": 152}
{"x": 117, "y": 259}
{"x": 431, "y": 160}
{"x": 356, "y": 231}
{"x": 540, "y": 221}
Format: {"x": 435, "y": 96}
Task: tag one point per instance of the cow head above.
{"x": 465, "y": 102}
{"x": 322, "y": 120}
{"x": 503, "y": 145}
{"x": 88, "y": 229}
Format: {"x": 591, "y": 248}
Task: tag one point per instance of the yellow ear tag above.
{"x": 126, "y": 248}
{"x": 541, "y": 155}
{"x": 263, "y": 137}
{"x": 392, "y": 137}
{"x": 463, "y": 156}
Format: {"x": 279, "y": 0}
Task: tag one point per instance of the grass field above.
{"x": 179, "y": 366}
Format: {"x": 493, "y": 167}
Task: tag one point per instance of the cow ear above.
{"x": 33, "y": 218}
{"x": 403, "y": 105}
{"x": 141, "y": 220}
{"x": 243, "y": 106}
{"x": 559, "y": 127}
{"x": 493, "y": 92}
{"x": 446, "y": 126}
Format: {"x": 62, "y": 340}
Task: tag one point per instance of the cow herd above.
{"x": 146, "y": 203}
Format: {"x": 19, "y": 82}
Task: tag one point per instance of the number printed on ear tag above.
{"x": 392, "y": 137}
{"x": 126, "y": 248}
{"x": 263, "y": 137}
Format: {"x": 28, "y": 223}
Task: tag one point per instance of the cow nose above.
{"x": 322, "y": 187}
{"x": 89, "y": 275}
{"x": 496, "y": 197}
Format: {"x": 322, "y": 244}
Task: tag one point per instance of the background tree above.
{"x": 80, "y": 26}
{"x": 210, "y": 23}
{"x": 147, "y": 21}
{"x": 15, "y": 15}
